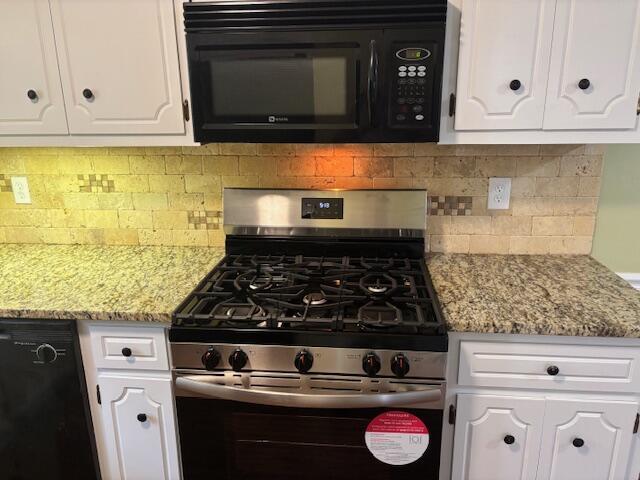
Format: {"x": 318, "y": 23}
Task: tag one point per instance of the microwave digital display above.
{"x": 323, "y": 208}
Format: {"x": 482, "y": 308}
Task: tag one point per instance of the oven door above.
{"x": 286, "y": 426}
{"x": 281, "y": 85}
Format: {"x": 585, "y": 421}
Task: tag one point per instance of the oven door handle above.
{"x": 193, "y": 384}
{"x": 372, "y": 83}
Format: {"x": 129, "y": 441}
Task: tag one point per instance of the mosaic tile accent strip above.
{"x": 5, "y": 184}
{"x": 204, "y": 220}
{"x": 96, "y": 183}
{"x": 450, "y": 205}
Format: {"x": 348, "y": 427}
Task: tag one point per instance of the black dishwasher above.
{"x": 45, "y": 424}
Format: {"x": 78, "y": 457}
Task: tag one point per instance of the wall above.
{"x": 156, "y": 196}
{"x": 617, "y": 237}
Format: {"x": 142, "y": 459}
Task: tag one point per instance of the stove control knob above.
{"x": 46, "y": 353}
{"x": 238, "y": 360}
{"x": 371, "y": 364}
{"x": 400, "y": 365}
{"x": 211, "y": 358}
{"x": 303, "y": 361}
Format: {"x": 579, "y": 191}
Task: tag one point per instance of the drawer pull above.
{"x": 553, "y": 370}
{"x": 515, "y": 85}
{"x": 578, "y": 442}
{"x": 509, "y": 439}
{"x": 32, "y": 94}
{"x": 142, "y": 417}
{"x": 126, "y": 352}
{"x": 584, "y": 84}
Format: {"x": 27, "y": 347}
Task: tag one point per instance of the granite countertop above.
{"x": 128, "y": 283}
{"x": 534, "y": 294}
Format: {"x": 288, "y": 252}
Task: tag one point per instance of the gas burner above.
{"x": 238, "y": 312}
{"x": 375, "y": 316}
{"x": 314, "y": 299}
{"x": 378, "y": 283}
{"x": 254, "y": 280}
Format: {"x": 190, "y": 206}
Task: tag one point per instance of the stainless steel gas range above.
{"x": 316, "y": 347}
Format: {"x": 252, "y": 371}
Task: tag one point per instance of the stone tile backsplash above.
{"x": 173, "y": 196}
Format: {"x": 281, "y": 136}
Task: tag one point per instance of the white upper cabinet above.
{"x": 497, "y": 438}
{"x": 31, "y": 100}
{"x": 594, "y": 79}
{"x": 586, "y": 440}
{"x": 503, "y": 64}
{"x": 119, "y": 66}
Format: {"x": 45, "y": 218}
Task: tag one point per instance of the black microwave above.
{"x": 315, "y": 70}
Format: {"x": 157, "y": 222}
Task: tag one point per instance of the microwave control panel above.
{"x": 411, "y": 78}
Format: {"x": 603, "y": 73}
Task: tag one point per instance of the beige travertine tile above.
{"x": 334, "y": 166}
{"x": 240, "y": 181}
{"x": 392, "y": 149}
{"x": 67, "y": 218}
{"x": 450, "y": 167}
{"x": 453, "y": 186}
{"x": 353, "y": 149}
{"x": 166, "y": 183}
{"x": 55, "y": 236}
{"x": 211, "y": 202}
{"x": 495, "y": 167}
{"x": 238, "y": 148}
{"x": 584, "y": 226}
{"x": 434, "y": 150}
{"x": 131, "y": 183}
{"x": 221, "y": 165}
{"x": 114, "y": 201}
{"x": 589, "y": 187}
{"x": 279, "y": 149}
{"x": 523, "y": 187}
{"x": 139, "y": 164}
{"x": 450, "y": 243}
{"x": 116, "y": 236}
{"x": 439, "y": 225}
{"x": 552, "y": 226}
{"x": 413, "y": 166}
{"x": 25, "y": 218}
{"x": 186, "y": 201}
{"x": 125, "y": 151}
{"x": 167, "y": 150}
{"x": 22, "y": 235}
{"x": 202, "y": 184}
{"x": 562, "y": 149}
{"x": 135, "y": 219}
{"x": 570, "y": 245}
{"x": 507, "y": 226}
{"x": 184, "y": 164}
{"x": 74, "y": 164}
{"x": 470, "y": 225}
{"x": 352, "y": 182}
{"x": 41, "y": 164}
{"x": 483, "y": 244}
{"x": 373, "y": 167}
{"x": 101, "y": 218}
{"x": 557, "y": 187}
{"x": 583, "y": 165}
{"x": 252, "y": 165}
{"x": 81, "y": 201}
{"x": 296, "y": 166}
{"x": 11, "y": 164}
{"x": 478, "y": 150}
{"x": 529, "y": 245}
{"x": 513, "y": 150}
{"x": 533, "y": 206}
{"x": 480, "y": 208}
{"x": 150, "y": 201}
{"x": 575, "y": 206}
{"x": 118, "y": 164}
{"x": 170, "y": 220}
{"x": 315, "y": 150}
{"x": 594, "y": 149}
{"x": 63, "y": 183}
{"x": 538, "y": 166}
{"x": 391, "y": 183}
{"x": 154, "y": 237}
{"x": 194, "y": 238}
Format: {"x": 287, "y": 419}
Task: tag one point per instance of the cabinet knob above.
{"x": 584, "y": 84}
{"x": 126, "y": 352}
{"x": 578, "y": 442}
{"x": 32, "y": 94}
{"x": 509, "y": 439}
{"x": 553, "y": 370}
{"x": 142, "y": 417}
{"x": 515, "y": 85}
{"x": 87, "y": 93}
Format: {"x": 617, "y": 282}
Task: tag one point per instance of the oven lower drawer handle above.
{"x": 305, "y": 400}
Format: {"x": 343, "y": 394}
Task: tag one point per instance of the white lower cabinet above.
{"x": 138, "y": 419}
{"x": 586, "y": 440}
{"x": 497, "y": 438}
{"x": 523, "y": 438}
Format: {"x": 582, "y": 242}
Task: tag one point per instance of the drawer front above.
{"x": 142, "y": 348}
{"x": 549, "y": 366}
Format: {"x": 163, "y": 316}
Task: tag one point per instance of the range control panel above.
{"x": 323, "y": 208}
{"x": 411, "y": 78}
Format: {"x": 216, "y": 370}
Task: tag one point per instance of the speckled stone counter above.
{"x": 99, "y": 283}
{"x": 539, "y": 294}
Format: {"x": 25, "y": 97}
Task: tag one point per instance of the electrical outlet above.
{"x": 20, "y": 188}
{"x": 499, "y": 193}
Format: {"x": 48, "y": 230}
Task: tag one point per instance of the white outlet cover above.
{"x": 499, "y": 193}
{"x": 20, "y": 187}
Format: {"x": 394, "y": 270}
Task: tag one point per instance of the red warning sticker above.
{"x": 397, "y": 438}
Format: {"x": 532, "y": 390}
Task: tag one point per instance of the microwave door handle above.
{"x": 193, "y": 384}
{"x": 372, "y": 83}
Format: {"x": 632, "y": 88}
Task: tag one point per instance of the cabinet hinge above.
{"x": 452, "y": 415}
{"x": 185, "y": 110}
{"x": 452, "y": 104}
{"x": 98, "y": 394}
{"x": 637, "y": 424}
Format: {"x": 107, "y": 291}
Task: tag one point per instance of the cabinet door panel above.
{"x": 604, "y": 427}
{"x": 502, "y": 42}
{"x": 27, "y": 50}
{"x": 482, "y": 449}
{"x": 123, "y": 56}
{"x": 595, "y": 41}
{"x": 139, "y": 449}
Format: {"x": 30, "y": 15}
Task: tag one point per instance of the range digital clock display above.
{"x": 323, "y": 208}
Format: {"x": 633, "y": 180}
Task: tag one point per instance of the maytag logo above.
{"x": 274, "y": 119}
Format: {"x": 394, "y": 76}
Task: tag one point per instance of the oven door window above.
{"x": 232, "y": 440}
{"x": 288, "y": 87}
